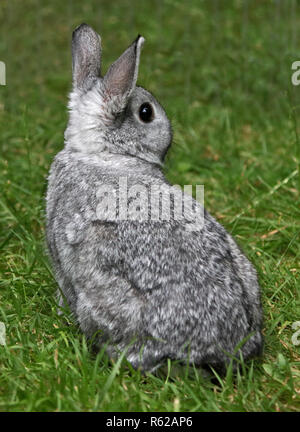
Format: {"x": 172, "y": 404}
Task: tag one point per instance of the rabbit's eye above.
{"x": 146, "y": 112}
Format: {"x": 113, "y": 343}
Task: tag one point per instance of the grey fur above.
{"x": 157, "y": 287}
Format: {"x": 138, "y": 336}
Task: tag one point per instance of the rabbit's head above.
{"x": 111, "y": 113}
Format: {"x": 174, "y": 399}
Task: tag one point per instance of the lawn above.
{"x": 222, "y": 70}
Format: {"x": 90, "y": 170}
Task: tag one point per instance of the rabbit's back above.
{"x": 176, "y": 291}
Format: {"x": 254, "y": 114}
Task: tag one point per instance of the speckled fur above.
{"x": 155, "y": 288}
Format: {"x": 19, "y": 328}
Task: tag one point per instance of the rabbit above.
{"x": 153, "y": 289}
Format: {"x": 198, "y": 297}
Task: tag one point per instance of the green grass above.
{"x": 223, "y": 72}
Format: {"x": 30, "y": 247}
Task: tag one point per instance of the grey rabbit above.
{"x": 154, "y": 288}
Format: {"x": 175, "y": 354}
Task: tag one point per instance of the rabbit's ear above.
{"x": 86, "y": 56}
{"x": 121, "y": 77}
